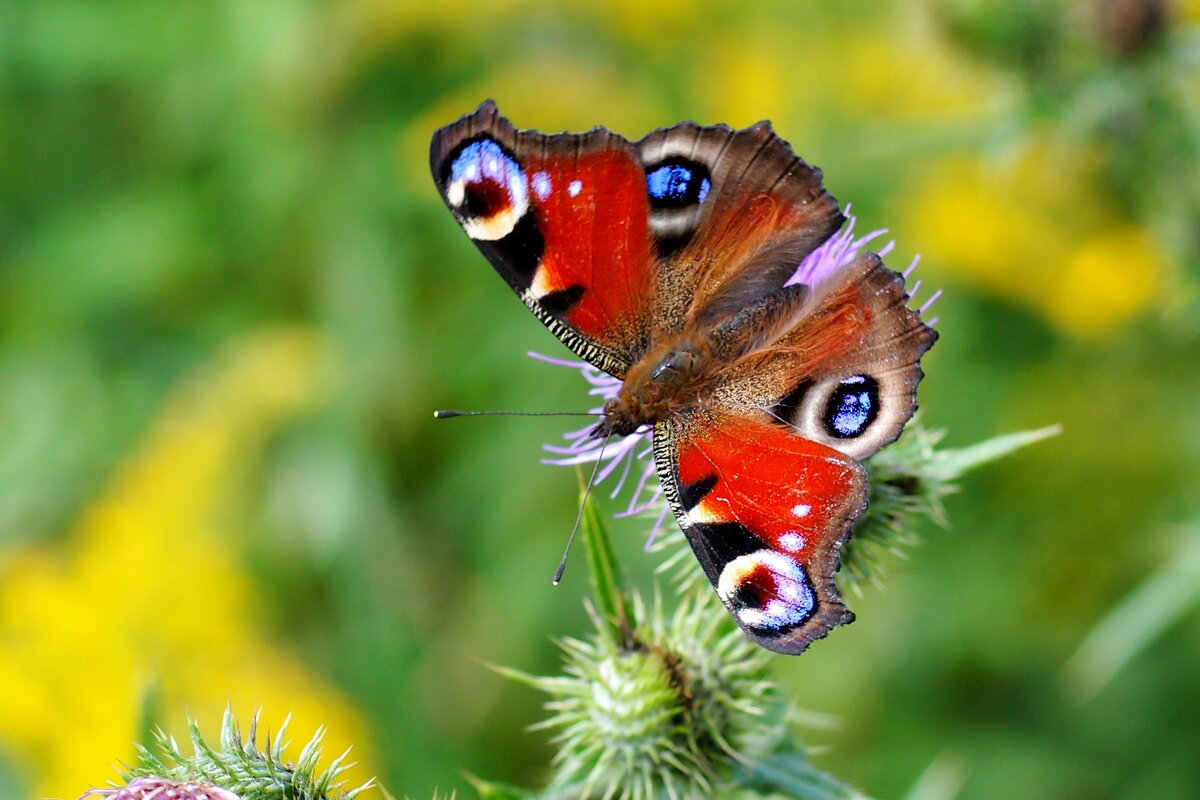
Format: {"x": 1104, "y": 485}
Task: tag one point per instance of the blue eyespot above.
{"x": 768, "y": 590}
{"x": 677, "y": 183}
{"x": 670, "y": 182}
{"x": 484, "y": 180}
{"x": 852, "y": 407}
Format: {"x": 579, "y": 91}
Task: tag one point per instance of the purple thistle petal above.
{"x": 161, "y": 789}
{"x": 658, "y": 524}
{"x": 837, "y": 251}
{"x": 621, "y": 480}
{"x": 636, "y": 507}
{"x": 913, "y": 265}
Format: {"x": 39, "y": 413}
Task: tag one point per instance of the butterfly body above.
{"x": 669, "y": 382}
{"x": 671, "y": 263}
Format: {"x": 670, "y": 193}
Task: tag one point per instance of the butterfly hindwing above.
{"x": 765, "y": 479}
{"x": 766, "y": 513}
{"x": 844, "y": 366}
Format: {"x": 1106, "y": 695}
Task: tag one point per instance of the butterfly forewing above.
{"x": 591, "y": 231}
{"x": 564, "y": 220}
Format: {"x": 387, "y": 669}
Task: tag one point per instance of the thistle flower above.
{"x": 151, "y": 788}
{"x": 240, "y": 769}
{"x": 665, "y": 711}
{"x": 652, "y": 705}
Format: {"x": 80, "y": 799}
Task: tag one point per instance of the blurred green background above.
{"x": 230, "y": 297}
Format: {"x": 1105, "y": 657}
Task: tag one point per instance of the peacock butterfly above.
{"x": 669, "y": 263}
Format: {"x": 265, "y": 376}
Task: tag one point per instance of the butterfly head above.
{"x": 654, "y": 388}
{"x": 622, "y": 417}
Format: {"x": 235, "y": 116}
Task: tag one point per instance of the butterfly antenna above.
{"x": 562, "y": 565}
{"x": 447, "y": 414}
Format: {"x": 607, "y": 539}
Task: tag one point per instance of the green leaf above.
{"x": 953, "y": 463}
{"x": 1137, "y": 620}
{"x": 149, "y": 716}
{"x": 491, "y": 790}
{"x": 790, "y": 773}
{"x": 607, "y": 586}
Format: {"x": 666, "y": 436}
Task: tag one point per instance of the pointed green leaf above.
{"x": 1137, "y": 620}
{"x": 789, "y": 773}
{"x": 149, "y": 716}
{"x": 952, "y": 463}
{"x": 490, "y": 790}
{"x": 607, "y": 586}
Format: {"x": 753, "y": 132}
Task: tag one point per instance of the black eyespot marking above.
{"x": 677, "y": 182}
{"x": 521, "y": 251}
{"x": 747, "y": 596}
{"x": 771, "y": 621}
{"x": 852, "y": 407}
{"x": 691, "y": 494}
{"x": 483, "y": 200}
{"x": 784, "y": 412}
{"x": 725, "y": 541}
{"x": 560, "y": 301}
{"x": 667, "y": 246}
{"x": 485, "y": 187}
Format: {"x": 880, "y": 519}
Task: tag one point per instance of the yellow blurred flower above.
{"x": 751, "y": 76}
{"x": 914, "y": 76}
{"x": 1107, "y": 278}
{"x": 377, "y": 21}
{"x": 791, "y": 74}
{"x": 651, "y": 23}
{"x": 750, "y": 71}
{"x": 146, "y": 594}
{"x": 1033, "y": 229}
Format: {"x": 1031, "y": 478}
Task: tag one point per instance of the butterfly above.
{"x": 666, "y": 263}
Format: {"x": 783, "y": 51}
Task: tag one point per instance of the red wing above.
{"x": 766, "y": 513}
{"x": 564, "y": 219}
